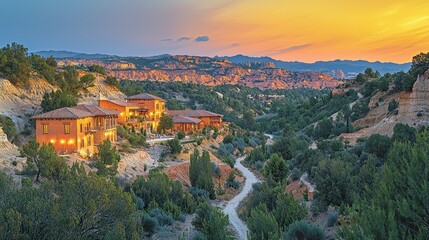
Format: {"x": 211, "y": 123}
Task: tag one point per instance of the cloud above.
{"x": 202, "y": 39}
{"x": 183, "y": 39}
{"x": 291, "y": 49}
{"x": 166, "y": 40}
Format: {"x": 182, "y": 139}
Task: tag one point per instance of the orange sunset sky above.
{"x": 305, "y": 30}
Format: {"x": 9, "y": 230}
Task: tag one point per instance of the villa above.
{"x": 76, "y": 129}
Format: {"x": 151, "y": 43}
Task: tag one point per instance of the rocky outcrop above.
{"x": 208, "y": 71}
{"x": 415, "y": 105}
{"x": 413, "y": 110}
{"x": 21, "y": 103}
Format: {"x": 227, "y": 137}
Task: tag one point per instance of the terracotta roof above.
{"x": 182, "y": 119}
{"x": 64, "y": 113}
{"x": 123, "y": 103}
{"x": 145, "y": 96}
{"x": 193, "y": 113}
{"x": 97, "y": 111}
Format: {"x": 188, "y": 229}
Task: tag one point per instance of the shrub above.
{"x": 182, "y": 217}
{"x": 162, "y": 217}
{"x": 97, "y": 69}
{"x": 199, "y": 193}
{"x": 332, "y": 219}
{"x": 180, "y": 135}
{"x": 150, "y": 224}
{"x": 393, "y": 105}
{"x": 199, "y": 141}
{"x": 295, "y": 174}
{"x": 139, "y": 203}
{"x": 174, "y": 145}
{"x": 228, "y": 139}
{"x": 302, "y": 230}
{"x": 230, "y": 161}
{"x": 172, "y": 209}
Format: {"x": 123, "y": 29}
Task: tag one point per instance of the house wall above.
{"x": 155, "y": 107}
{"x": 186, "y": 127}
{"x": 66, "y": 143}
{"x": 85, "y": 134}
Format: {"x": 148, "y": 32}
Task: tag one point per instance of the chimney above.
{"x": 101, "y": 98}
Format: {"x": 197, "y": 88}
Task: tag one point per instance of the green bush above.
{"x": 174, "y": 145}
{"x": 8, "y": 127}
{"x": 150, "y": 224}
{"x": 393, "y": 105}
{"x": 302, "y": 230}
{"x": 228, "y": 139}
{"x": 332, "y": 219}
{"x": 180, "y": 135}
{"x": 97, "y": 69}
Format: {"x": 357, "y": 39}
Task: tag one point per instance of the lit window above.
{"x": 81, "y": 128}
{"x": 82, "y": 143}
{"x": 89, "y": 141}
{"x": 66, "y": 128}
{"x": 45, "y": 128}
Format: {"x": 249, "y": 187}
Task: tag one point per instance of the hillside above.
{"x": 203, "y": 70}
{"x": 413, "y": 110}
{"x": 346, "y": 66}
{"x": 20, "y": 103}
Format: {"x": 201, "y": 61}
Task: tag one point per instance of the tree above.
{"x": 303, "y": 230}
{"x": 212, "y": 223}
{"x": 174, "y": 145}
{"x": 403, "y": 132}
{"x": 106, "y": 160}
{"x": 200, "y": 172}
{"x": 249, "y": 121}
{"x": 398, "y": 200}
{"x": 288, "y": 210}
{"x": 419, "y": 65}
{"x": 8, "y": 127}
{"x": 323, "y": 128}
{"x": 94, "y": 206}
{"x": 68, "y": 81}
{"x": 262, "y": 224}
{"x": 165, "y": 123}
{"x": 42, "y": 161}
{"x": 393, "y": 105}
{"x": 57, "y": 99}
{"x": 180, "y": 135}
{"x": 378, "y": 144}
{"x": 112, "y": 81}
{"x": 97, "y": 69}
{"x": 87, "y": 81}
{"x": 334, "y": 183}
{"x": 46, "y": 67}
{"x": 14, "y": 64}
{"x": 276, "y": 168}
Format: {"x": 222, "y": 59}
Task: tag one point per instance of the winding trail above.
{"x": 232, "y": 205}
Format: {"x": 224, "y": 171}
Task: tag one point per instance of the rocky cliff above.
{"x": 413, "y": 110}
{"x": 208, "y": 71}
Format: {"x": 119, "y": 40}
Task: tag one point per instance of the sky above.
{"x": 290, "y": 30}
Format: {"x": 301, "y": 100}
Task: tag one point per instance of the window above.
{"x": 67, "y": 128}
{"x": 81, "y": 128}
{"x": 45, "y": 128}
{"x": 89, "y": 141}
{"x": 82, "y": 143}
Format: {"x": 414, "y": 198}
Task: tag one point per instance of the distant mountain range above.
{"x": 325, "y": 66}
{"x": 346, "y": 66}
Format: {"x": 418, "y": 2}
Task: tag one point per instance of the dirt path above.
{"x": 231, "y": 207}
